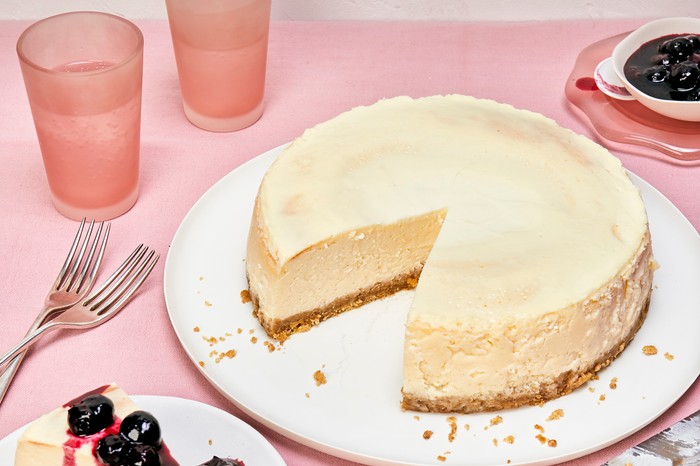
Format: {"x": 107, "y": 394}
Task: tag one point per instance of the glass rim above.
{"x": 132, "y": 56}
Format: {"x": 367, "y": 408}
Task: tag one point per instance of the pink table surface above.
{"x": 316, "y": 70}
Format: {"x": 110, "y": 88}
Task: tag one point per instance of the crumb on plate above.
{"x": 556, "y": 414}
{"x": 613, "y": 383}
{"x": 452, "y": 421}
{"x": 320, "y": 378}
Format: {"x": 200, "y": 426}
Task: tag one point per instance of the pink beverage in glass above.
{"x": 221, "y": 53}
{"x": 83, "y": 75}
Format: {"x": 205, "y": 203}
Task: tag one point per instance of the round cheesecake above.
{"x": 527, "y": 245}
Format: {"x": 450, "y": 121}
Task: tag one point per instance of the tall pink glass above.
{"x": 221, "y": 53}
{"x": 83, "y": 75}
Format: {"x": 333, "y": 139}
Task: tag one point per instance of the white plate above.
{"x": 356, "y": 414}
{"x": 193, "y": 431}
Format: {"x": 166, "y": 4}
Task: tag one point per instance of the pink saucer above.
{"x": 627, "y": 121}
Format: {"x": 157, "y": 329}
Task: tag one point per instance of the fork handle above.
{"x": 29, "y": 340}
{"x": 8, "y": 373}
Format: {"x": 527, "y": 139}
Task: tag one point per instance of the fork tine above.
{"x": 113, "y": 281}
{"x": 70, "y": 280}
{"x": 141, "y": 276}
{"x": 118, "y": 299}
{"x": 71, "y": 253}
{"x": 103, "y": 294}
{"x": 89, "y": 268}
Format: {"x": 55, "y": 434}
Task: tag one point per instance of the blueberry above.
{"x": 693, "y": 95}
{"x": 91, "y": 415}
{"x": 661, "y": 59}
{"x": 678, "y": 48}
{"x": 694, "y": 41}
{"x": 678, "y": 95}
{"x": 216, "y": 461}
{"x": 656, "y": 74}
{"x": 141, "y": 427}
{"x": 684, "y": 76}
{"x": 141, "y": 455}
{"x": 110, "y": 450}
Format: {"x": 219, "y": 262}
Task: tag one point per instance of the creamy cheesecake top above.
{"x": 536, "y": 217}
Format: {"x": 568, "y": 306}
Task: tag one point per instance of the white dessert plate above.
{"x": 193, "y": 431}
{"x": 337, "y": 387}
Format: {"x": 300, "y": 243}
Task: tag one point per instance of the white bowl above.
{"x": 680, "y": 110}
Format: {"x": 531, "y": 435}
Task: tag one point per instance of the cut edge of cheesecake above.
{"x": 357, "y": 291}
{"x": 281, "y": 329}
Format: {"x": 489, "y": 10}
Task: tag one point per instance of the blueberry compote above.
{"x": 132, "y": 441}
{"x": 667, "y": 67}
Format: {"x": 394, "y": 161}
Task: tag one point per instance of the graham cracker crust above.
{"x": 283, "y": 329}
{"x": 562, "y": 385}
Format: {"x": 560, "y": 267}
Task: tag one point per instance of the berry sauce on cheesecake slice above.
{"x": 216, "y": 461}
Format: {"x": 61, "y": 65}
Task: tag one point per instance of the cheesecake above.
{"x": 101, "y": 427}
{"x": 527, "y": 245}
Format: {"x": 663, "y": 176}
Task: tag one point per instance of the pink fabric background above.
{"x": 316, "y": 70}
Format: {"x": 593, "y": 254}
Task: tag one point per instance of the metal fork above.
{"x": 73, "y": 282}
{"x": 102, "y": 304}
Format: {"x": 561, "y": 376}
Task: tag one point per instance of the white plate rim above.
{"x": 257, "y": 166}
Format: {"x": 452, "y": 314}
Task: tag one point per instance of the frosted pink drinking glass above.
{"x": 221, "y": 53}
{"x": 83, "y": 73}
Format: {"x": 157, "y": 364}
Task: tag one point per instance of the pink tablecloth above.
{"x": 316, "y": 70}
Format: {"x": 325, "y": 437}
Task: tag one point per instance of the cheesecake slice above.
{"x": 527, "y": 245}
{"x": 53, "y": 440}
